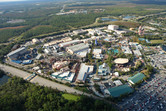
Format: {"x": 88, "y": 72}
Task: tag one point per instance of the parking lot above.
{"x": 158, "y": 60}
{"x": 151, "y": 96}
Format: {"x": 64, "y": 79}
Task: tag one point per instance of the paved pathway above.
{"x": 41, "y": 81}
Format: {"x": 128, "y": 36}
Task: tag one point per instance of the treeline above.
{"x": 46, "y": 16}
{"x": 38, "y": 31}
{"x": 59, "y": 23}
{"x": 117, "y": 11}
{"x": 1, "y": 73}
{"x": 19, "y": 95}
{"x": 9, "y": 33}
{"x": 4, "y": 50}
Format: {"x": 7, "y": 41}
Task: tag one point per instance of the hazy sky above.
{"x": 10, "y": 0}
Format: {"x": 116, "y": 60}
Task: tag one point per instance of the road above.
{"x": 44, "y": 82}
{"x": 41, "y": 81}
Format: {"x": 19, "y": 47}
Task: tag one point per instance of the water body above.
{"x": 128, "y": 17}
{"x": 4, "y": 79}
{"x": 109, "y": 19}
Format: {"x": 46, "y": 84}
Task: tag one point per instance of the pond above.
{"x": 109, "y": 19}
{"x": 128, "y": 17}
{"x": 4, "y": 79}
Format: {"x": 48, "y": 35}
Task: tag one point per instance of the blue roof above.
{"x": 17, "y": 61}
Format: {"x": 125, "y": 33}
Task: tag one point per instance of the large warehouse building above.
{"x": 83, "y": 73}
{"x": 77, "y": 48}
{"x": 14, "y": 54}
{"x": 66, "y": 44}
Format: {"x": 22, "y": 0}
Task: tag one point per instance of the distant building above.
{"x": 119, "y": 90}
{"x": 103, "y": 70}
{"x": 117, "y": 82}
{"x": 67, "y": 76}
{"x": 82, "y": 54}
{"x": 121, "y": 61}
{"x": 81, "y": 31}
{"x": 120, "y": 32}
{"x": 67, "y": 44}
{"x": 113, "y": 27}
{"x": 39, "y": 56}
{"x": 96, "y": 43}
{"x": 47, "y": 51}
{"x": 77, "y": 48}
{"x": 137, "y": 53}
{"x": 97, "y": 53}
{"x": 141, "y": 30}
{"x": 35, "y": 41}
{"x": 15, "y": 47}
{"x": 126, "y": 50}
{"x": 14, "y": 54}
{"x": 116, "y": 74}
{"x": 66, "y": 39}
{"x": 87, "y": 40}
{"x": 95, "y": 31}
{"x": 84, "y": 71}
{"x": 60, "y": 64}
{"x": 26, "y": 62}
{"x": 136, "y": 78}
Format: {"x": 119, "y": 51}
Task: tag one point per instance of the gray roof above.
{"x": 78, "y": 47}
{"x": 16, "y": 51}
{"x": 84, "y": 70}
{"x": 70, "y": 42}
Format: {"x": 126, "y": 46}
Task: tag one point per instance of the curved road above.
{"x": 44, "y": 82}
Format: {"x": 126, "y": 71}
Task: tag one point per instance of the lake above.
{"x": 4, "y": 79}
{"x": 109, "y": 19}
{"x": 128, "y": 17}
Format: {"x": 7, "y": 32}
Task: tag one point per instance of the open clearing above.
{"x": 157, "y": 41}
{"x": 71, "y": 97}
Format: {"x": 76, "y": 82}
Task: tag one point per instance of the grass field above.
{"x": 71, "y": 97}
{"x": 157, "y": 41}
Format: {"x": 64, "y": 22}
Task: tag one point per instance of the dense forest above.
{"x": 4, "y": 50}
{"x": 19, "y": 95}
{"x": 1, "y": 73}
{"x": 42, "y": 19}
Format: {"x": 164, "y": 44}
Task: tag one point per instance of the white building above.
{"x": 116, "y": 74}
{"x": 117, "y": 83}
{"x": 126, "y": 50}
{"x": 137, "y": 52}
{"x": 84, "y": 71}
{"x": 82, "y": 54}
{"x": 103, "y": 70}
{"x": 97, "y": 51}
{"x": 113, "y": 27}
{"x": 35, "y": 41}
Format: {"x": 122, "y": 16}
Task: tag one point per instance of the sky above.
{"x": 10, "y": 0}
